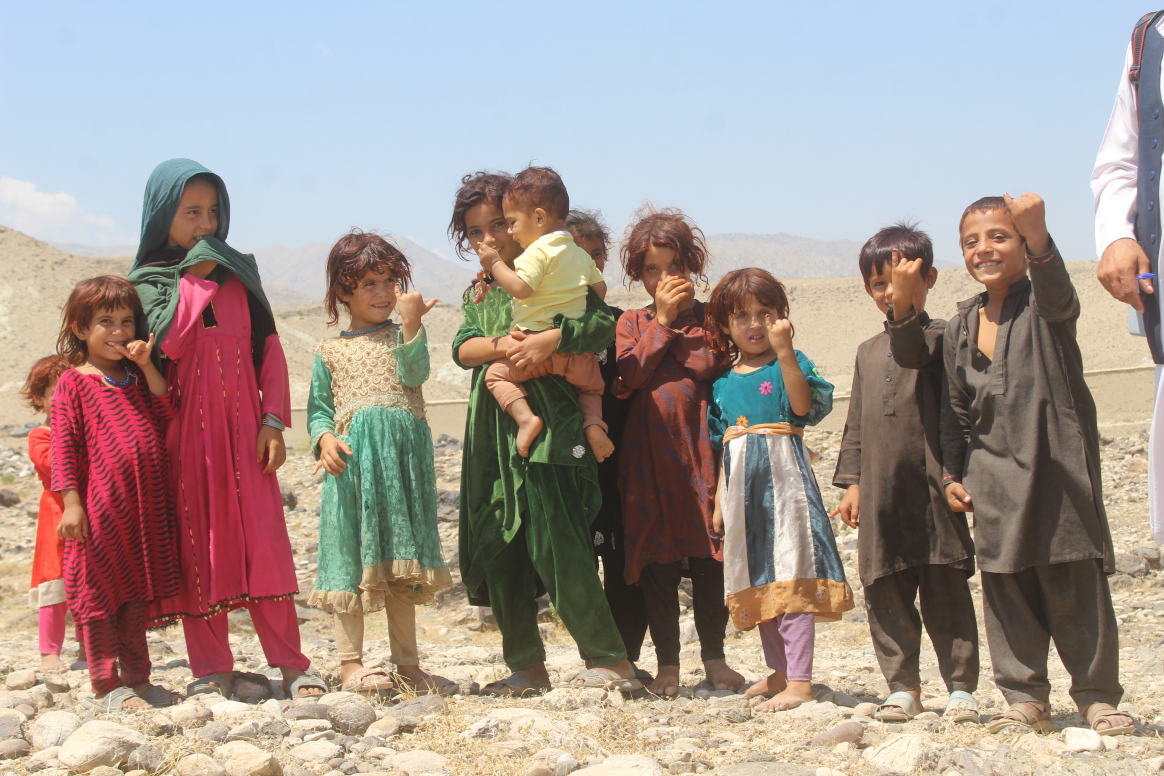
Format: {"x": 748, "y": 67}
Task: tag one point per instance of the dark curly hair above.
{"x": 666, "y": 228}
{"x": 476, "y": 188}
{"x": 730, "y": 296}
{"x": 90, "y": 297}
{"x": 43, "y": 372}
{"x": 353, "y": 256}
{"x": 536, "y": 187}
{"x": 587, "y": 225}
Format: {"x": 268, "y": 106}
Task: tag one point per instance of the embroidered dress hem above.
{"x": 825, "y": 598}
{"x": 47, "y": 593}
{"x": 397, "y": 578}
{"x": 166, "y": 619}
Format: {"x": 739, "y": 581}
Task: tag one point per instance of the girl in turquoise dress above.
{"x": 781, "y": 566}
{"x": 378, "y": 541}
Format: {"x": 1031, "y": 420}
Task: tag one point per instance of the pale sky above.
{"x": 823, "y": 119}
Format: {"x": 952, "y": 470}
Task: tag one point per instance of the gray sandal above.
{"x": 304, "y": 681}
{"x": 204, "y": 686}
{"x": 157, "y": 696}
{"x": 114, "y": 700}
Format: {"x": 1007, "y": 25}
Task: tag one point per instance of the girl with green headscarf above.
{"x": 205, "y": 305}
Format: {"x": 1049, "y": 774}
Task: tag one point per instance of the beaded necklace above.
{"x": 365, "y": 331}
{"x": 121, "y": 383}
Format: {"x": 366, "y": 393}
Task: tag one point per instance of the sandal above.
{"x": 436, "y": 685}
{"x": 514, "y": 686}
{"x": 158, "y": 697}
{"x": 962, "y": 708}
{"x": 209, "y": 685}
{"x": 1018, "y": 716}
{"x": 605, "y": 679}
{"x": 114, "y": 699}
{"x": 303, "y": 682}
{"x": 362, "y": 682}
{"x": 1105, "y": 713}
{"x": 898, "y": 707}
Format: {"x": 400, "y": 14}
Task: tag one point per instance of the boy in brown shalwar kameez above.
{"x": 909, "y": 542}
{"x": 1021, "y": 450}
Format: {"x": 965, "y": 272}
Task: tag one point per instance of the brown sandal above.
{"x": 1105, "y": 713}
{"x": 1019, "y": 716}
{"x": 364, "y": 682}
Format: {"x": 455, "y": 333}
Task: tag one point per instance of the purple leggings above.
{"x": 788, "y": 642}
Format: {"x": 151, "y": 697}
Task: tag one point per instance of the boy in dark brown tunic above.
{"x": 1021, "y": 450}
{"x": 909, "y": 542}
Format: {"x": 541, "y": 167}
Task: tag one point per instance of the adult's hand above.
{"x": 530, "y": 349}
{"x": 1121, "y": 262}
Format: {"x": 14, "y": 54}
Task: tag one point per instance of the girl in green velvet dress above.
{"x": 378, "y": 541}
{"x": 525, "y": 522}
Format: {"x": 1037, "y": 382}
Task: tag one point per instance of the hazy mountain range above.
{"x": 297, "y": 274}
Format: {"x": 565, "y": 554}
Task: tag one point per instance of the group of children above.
{"x": 665, "y": 442}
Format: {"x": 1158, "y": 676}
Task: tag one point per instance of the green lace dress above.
{"x": 377, "y": 524}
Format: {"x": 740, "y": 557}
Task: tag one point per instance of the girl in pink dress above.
{"x": 205, "y": 304}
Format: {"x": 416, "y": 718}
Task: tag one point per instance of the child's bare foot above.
{"x": 795, "y": 694}
{"x": 775, "y": 682}
{"x": 311, "y": 686}
{"x": 50, "y": 664}
{"x": 133, "y": 703}
{"x": 600, "y": 443}
{"x": 721, "y": 676}
{"x": 527, "y": 432}
{"x": 666, "y": 683}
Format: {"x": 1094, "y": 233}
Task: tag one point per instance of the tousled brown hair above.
{"x": 536, "y": 187}
{"x": 666, "y": 228}
{"x": 731, "y": 296}
{"x": 43, "y": 372}
{"x": 983, "y": 205}
{"x": 90, "y": 297}
{"x": 588, "y": 225}
{"x": 476, "y": 188}
{"x": 354, "y": 255}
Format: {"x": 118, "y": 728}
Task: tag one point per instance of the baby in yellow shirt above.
{"x": 549, "y": 278}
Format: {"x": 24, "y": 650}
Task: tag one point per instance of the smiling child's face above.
{"x": 197, "y": 215}
{"x": 485, "y": 223}
{"x": 525, "y": 226}
{"x": 995, "y": 254}
{"x": 108, "y": 334}
{"x": 372, "y": 301}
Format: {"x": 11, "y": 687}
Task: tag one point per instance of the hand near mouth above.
{"x": 488, "y": 256}
{"x": 136, "y": 351}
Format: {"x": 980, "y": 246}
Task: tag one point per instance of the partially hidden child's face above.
{"x": 525, "y": 226}
{"x": 748, "y": 327}
{"x": 197, "y": 215}
{"x": 108, "y": 334}
{"x": 596, "y": 248}
{"x": 995, "y": 254}
{"x": 661, "y": 262}
{"x": 880, "y": 288}
{"x": 373, "y": 299}
{"x": 485, "y": 223}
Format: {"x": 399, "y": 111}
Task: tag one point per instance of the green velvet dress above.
{"x": 525, "y": 522}
{"x": 377, "y": 523}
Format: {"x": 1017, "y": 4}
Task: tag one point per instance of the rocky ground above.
{"x": 44, "y": 729}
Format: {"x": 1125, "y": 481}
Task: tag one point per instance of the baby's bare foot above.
{"x": 600, "y": 443}
{"x": 526, "y": 434}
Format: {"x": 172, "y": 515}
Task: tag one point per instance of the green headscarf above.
{"x": 157, "y": 269}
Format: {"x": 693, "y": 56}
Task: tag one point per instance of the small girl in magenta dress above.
{"x": 109, "y": 465}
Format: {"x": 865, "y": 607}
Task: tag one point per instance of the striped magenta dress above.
{"x": 779, "y": 551}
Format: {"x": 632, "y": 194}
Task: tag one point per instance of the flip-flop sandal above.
{"x": 1018, "y": 716}
{"x": 898, "y": 707}
{"x": 595, "y": 677}
{"x": 157, "y": 696}
{"x": 644, "y": 676}
{"x": 209, "y": 685}
{"x": 514, "y": 686}
{"x": 362, "y": 682}
{"x": 114, "y": 700}
{"x": 304, "y": 681}
{"x": 962, "y": 708}
{"x": 438, "y": 685}
{"x": 1105, "y": 712}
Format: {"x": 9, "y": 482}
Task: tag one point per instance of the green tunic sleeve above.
{"x": 592, "y": 333}
{"x": 412, "y": 358}
{"x": 321, "y": 404}
{"x": 470, "y": 327}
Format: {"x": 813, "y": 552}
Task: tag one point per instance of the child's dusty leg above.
{"x": 774, "y": 658}
{"x": 349, "y": 643}
{"x": 402, "y": 641}
{"x": 660, "y": 583}
{"x": 510, "y": 397}
{"x": 711, "y": 618}
{"x": 51, "y": 625}
{"x": 798, "y": 632}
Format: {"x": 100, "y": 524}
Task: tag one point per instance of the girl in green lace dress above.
{"x": 378, "y": 541}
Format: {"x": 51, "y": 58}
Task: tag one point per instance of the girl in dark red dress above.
{"x": 667, "y": 469}
{"x": 109, "y": 465}
{"x": 46, "y": 594}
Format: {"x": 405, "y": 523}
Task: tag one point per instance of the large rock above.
{"x": 189, "y": 712}
{"x": 13, "y": 748}
{"x": 419, "y": 707}
{"x": 53, "y": 728}
{"x": 248, "y": 760}
{"x": 1082, "y": 740}
{"x": 352, "y": 718}
{"x": 384, "y": 728}
{"x": 849, "y": 732}
{"x": 902, "y": 754}
{"x": 10, "y": 723}
{"x": 571, "y": 699}
{"x": 419, "y": 761}
{"x": 99, "y": 742}
{"x": 226, "y": 708}
{"x": 20, "y": 680}
{"x": 319, "y": 751}
{"x": 199, "y": 765}
{"x": 307, "y": 711}
{"x": 148, "y": 758}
